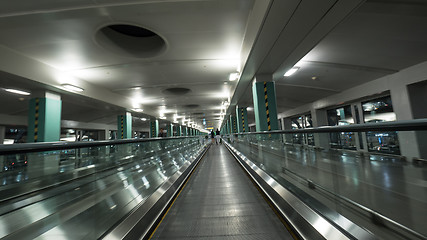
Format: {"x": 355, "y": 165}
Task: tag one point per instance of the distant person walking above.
{"x": 212, "y": 136}
{"x": 218, "y": 136}
{"x": 161, "y": 133}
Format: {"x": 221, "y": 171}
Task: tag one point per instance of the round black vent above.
{"x": 131, "y": 41}
{"x": 132, "y": 31}
{"x": 176, "y": 91}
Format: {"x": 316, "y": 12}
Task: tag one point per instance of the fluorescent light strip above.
{"x": 16, "y": 91}
{"x": 291, "y": 71}
{"x": 72, "y": 88}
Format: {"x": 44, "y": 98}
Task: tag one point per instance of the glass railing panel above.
{"x": 349, "y": 182}
{"x": 50, "y": 194}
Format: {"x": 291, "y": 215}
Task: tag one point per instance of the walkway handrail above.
{"x": 362, "y": 207}
{"x": 410, "y": 125}
{"x": 51, "y": 146}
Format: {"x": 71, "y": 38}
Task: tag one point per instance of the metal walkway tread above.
{"x": 220, "y": 202}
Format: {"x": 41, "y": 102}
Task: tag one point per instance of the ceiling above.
{"x": 182, "y": 72}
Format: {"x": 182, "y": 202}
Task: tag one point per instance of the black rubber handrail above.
{"x": 410, "y": 125}
{"x": 51, "y": 146}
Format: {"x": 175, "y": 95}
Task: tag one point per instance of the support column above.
{"x": 170, "y": 130}
{"x": 242, "y": 116}
{"x": 154, "y": 128}
{"x": 287, "y": 124}
{"x": 44, "y": 118}
{"x": 228, "y": 127}
{"x": 233, "y": 124}
{"x": 264, "y": 96}
{"x": 320, "y": 118}
{"x": 409, "y": 103}
{"x": 124, "y": 126}
{"x": 103, "y": 134}
{"x": 179, "y": 130}
{"x": 2, "y": 134}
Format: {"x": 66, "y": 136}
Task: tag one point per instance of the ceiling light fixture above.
{"x": 16, "y": 91}
{"x": 233, "y": 76}
{"x": 72, "y": 87}
{"x": 291, "y": 71}
{"x": 144, "y": 119}
{"x": 162, "y": 117}
{"x": 137, "y": 110}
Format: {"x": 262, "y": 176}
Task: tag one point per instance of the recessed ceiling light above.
{"x": 137, "y": 110}
{"x": 144, "y": 119}
{"x": 233, "y": 76}
{"x": 72, "y": 87}
{"x": 16, "y": 91}
{"x": 291, "y": 71}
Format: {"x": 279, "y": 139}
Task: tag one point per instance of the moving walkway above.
{"x": 182, "y": 187}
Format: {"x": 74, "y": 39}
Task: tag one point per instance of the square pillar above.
{"x": 154, "y": 128}
{"x": 2, "y": 135}
{"x": 320, "y": 118}
{"x": 233, "y": 124}
{"x": 242, "y": 116}
{"x": 179, "y": 130}
{"x": 124, "y": 126}
{"x": 264, "y": 97}
{"x": 170, "y": 130}
{"x": 44, "y": 118}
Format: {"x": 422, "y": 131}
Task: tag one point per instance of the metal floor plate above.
{"x": 220, "y": 202}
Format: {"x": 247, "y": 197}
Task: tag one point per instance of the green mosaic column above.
{"x": 154, "y": 128}
{"x": 170, "y": 130}
{"x": 264, "y": 96}
{"x": 44, "y": 119}
{"x": 124, "y": 126}
{"x": 242, "y": 117}
{"x": 184, "y": 131}
{"x": 179, "y": 130}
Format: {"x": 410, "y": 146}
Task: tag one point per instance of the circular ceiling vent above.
{"x": 192, "y": 106}
{"x": 131, "y": 41}
{"x": 176, "y": 91}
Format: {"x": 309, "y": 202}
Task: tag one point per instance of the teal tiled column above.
{"x": 242, "y": 119}
{"x": 233, "y": 124}
{"x": 264, "y": 96}
{"x": 170, "y": 130}
{"x": 44, "y": 119}
{"x": 124, "y": 126}
{"x": 179, "y": 130}
{"x": 154, "y": 128}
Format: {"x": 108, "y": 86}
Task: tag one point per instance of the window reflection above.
{"x": 340, "y": 117}
{"x": 381, "y": 110}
